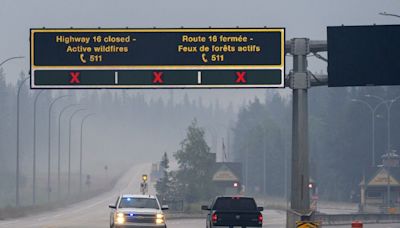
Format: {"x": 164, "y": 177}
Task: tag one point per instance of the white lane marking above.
{"x": 198, "y": 77}
{"x": 116, "y": 78}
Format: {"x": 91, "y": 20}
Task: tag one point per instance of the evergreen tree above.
{"x": 194, "y": 160}
{"x": 163, "y": 184}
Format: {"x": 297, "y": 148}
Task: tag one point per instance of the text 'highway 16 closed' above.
{"x": 158, "y": 58}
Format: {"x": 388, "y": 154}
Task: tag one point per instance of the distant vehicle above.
{"x": 137, "y": 211}
{"x": 233, "y": 211}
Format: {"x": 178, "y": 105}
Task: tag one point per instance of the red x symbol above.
{"x": 74, "y": 77}
{"x": 158, "y": 77}
{"x": 240, "y": 77}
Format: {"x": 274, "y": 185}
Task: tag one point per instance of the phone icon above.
{"x": 82, "y": 57}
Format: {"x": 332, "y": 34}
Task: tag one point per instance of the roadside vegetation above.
{"x": 192, "y": 181}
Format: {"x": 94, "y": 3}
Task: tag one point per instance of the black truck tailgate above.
{"x": 239, "y": 218}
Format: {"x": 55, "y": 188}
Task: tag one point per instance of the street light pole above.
{"x": 81, "y": 150}
{"x": 34, "y": 148}
{"x": 18, "y": 148}
{"x": 373, "y": 111}
{"x": 286, "y": 184}
{"x": 59, "y": 147}
{"x": 264, "y": 161}
{"x": 69, "y": 148}
{"x": 247, "y": 168}
{"x": 388, "y": 186}
{"x": 387, "y": 108}
{"x": 16, "y": 57}
{"x": 389, "y": 14}
{"x": 17, "y": 157}
{"x": 49, "y": 147}
{"x": 388, "y": 104}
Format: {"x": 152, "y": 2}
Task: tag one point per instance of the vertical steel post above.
{"x": 49, "y": 147}
{"x": 18, "y": 147}
{"x": 34, "y": 149}
{"x": 81, "y": 151}
{"x": 264, "y": 162}
{"x": 69, "y": 148}
{"x": 247, "y": 168}
{"x": 373, "y": 139}
{"x": 388, "y": 188}
{"x": 300, "y": 176}
{"x": 388, "y": 127}
{"x": 59, "y": 148}
{"x": 299, "y": 82}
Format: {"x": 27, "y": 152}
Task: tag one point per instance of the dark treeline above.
{"x": 340, "y": 138}
{"x": 263, "y": 126}
{"x": 128, "y": 127}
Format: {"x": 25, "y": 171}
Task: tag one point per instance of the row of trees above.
{"x": 262, "y": 144}
{"x": 340, "y": 138}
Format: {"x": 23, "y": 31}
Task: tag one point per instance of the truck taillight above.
{"x": 214, "y": 217}
{"x": 260, "y": 218}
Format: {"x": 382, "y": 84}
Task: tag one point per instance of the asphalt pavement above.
{"x": 94, "y": 213}
{"x": 90, "y": 213}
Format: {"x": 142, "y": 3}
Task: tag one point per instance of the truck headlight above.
{"x": 159, "y": 221}
{"x": 120, "y": 218}
{"x": 159, "y": 218}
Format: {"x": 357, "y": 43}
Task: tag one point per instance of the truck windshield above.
{"x": 127, "y": 202}
{"x": 235, "y": 204}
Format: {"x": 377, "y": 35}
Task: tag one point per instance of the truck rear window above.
{"x": 235, "y": 204}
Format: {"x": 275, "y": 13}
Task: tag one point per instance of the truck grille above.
{"x": 136, "y": 218}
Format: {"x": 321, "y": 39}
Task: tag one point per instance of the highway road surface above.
{"x": 91, "y": 213}
{"x": 94, "y": 213}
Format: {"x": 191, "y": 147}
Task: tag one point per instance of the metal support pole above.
{"x": 388, "y": 187}
{"x": 69, "y": 148}
{"x": 264, "y": 162}
{"x": 373, "y": 139}
{"x": 247, "y": 168}
{"x": 81, "y": 151}
{"x": 390, "y": 105}
{"x": 388, "y": 129}
{"x": 373, "y": 110}
{"x": 300, "y": 82}
{"x": 228, "y": 146}
{"x": 18, "y": 148}
{"x": 34, "y": 149}
{"x": 49, "y": 148}
{"x": 59, "y": 148}
{"x": 383, "y": 101}
{"x": 286, "y": 184}
{"x": 300, "y": 198}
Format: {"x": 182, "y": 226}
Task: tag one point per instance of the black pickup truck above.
{"x": 231, "y": 211}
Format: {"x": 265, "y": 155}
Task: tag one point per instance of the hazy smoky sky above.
{"x": 302, "y": 18}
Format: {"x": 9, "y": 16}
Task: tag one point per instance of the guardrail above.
{"x": 346, "y": 219}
